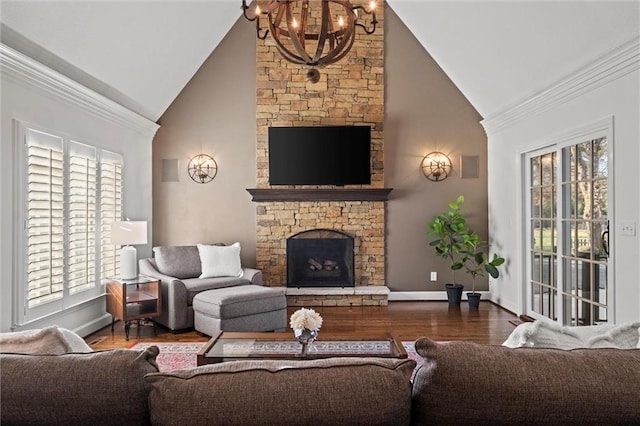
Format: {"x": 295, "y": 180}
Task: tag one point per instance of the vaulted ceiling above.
{"x": 142, "y": 53}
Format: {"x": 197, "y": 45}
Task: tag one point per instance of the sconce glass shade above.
{"x": 202, "y": 168}
{"x": 436, "y": 166}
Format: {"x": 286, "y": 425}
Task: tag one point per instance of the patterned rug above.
{"x": 181, "y": 355}
{"x": 173, "y": 355}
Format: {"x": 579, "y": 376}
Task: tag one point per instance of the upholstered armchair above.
{"x": 178, "y": 268}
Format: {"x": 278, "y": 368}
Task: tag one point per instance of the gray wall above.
{"x": 424, "y": 112}
{"x": 215, "y": 114}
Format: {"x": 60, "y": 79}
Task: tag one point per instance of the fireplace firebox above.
{"x": 320, "y": 258}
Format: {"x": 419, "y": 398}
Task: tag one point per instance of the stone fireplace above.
{"x": 320, "y": 258}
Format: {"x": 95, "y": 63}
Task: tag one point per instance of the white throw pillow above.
{"x": 220, "y": 261}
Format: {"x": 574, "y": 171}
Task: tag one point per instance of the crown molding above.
{"x": 22, "y": 69}
{"x": 617, "y": 63}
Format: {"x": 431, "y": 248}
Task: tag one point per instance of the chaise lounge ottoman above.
{"x": 241, "y": 308}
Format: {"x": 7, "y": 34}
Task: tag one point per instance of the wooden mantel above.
{"x": 330, "y": 194}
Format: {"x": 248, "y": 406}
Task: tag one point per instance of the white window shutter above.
{"x": 45, "y": 218}
{"x": 73, "y": 192}
{"x": 81, "y": 211}
{"x": 110, "y": 210}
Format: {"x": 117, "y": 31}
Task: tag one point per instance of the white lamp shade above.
{"x": 128, "y": 233}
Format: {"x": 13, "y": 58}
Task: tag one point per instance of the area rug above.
{"x": 181, "y": 355}
{"x": 173, "y": 355}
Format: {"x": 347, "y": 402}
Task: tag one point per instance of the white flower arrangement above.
{"x": 306, "y": 318}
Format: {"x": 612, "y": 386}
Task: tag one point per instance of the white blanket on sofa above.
{"x": 547, "y": 334}
{"x": 45, "y": 341}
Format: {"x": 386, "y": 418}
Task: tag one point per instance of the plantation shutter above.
{"x": 82, "y": 217}
{"x": 45, "y": 218}
{"x": 110, "y": 210}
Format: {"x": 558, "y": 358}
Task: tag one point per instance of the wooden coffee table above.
{"x": 227, "y": 346}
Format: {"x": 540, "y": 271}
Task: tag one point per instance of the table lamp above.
{"x": 128, "y": 234}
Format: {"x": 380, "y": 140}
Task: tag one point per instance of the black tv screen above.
{"x": 320, "y": 155}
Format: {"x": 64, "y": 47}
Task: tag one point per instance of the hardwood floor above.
{"x": 406, "y": 320}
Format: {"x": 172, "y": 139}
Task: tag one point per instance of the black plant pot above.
{"x": 454, "y": 293}
{"x": 474, "y": 300}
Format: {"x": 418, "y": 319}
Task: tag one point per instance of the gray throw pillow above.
{"x": 179, "y": 261}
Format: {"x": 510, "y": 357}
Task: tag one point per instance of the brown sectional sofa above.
{"x": 459, "y": 383}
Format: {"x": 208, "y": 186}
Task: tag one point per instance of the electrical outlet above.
{"x": 434, "y": 276}
{"x": 628, "y": 228}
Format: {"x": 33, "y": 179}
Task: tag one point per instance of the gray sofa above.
{"x": 458, "y": 383}
{"x": 178, "y": 269}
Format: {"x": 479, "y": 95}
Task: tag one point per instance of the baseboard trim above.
{"x": 429, "y": 295}
{"x": 93, "y": 326}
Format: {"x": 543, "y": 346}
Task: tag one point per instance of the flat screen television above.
{"x": 320, "y": 155}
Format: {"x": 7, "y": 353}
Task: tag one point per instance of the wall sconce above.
{"x": 436, "y": 166}
{"x": 202, "y": 168}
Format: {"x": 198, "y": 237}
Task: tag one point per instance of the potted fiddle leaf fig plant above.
{"x": 476, "y": 263}
{"x": 450, "y": 233}
{"x": 463, "y": 249}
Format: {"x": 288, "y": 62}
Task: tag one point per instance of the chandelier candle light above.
{"x": 311, "y": 38}
{"x": 305, "y": 324}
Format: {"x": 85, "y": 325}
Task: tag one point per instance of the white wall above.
{"x": 34, "y": 94}
{"x": 606, "y": 88}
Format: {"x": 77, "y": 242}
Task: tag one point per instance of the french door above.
{"x": 568, "y": 279}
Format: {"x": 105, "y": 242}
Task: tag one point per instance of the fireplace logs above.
{"x": 314, "y": 265}
{"x": 327, "y": 265}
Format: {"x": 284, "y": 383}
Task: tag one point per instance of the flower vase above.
{"x": 305, "y": 337}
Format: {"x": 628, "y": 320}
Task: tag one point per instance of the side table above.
{"x": 134, "y": 299}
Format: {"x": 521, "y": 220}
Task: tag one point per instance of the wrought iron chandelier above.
{"x": 315, "y": 33}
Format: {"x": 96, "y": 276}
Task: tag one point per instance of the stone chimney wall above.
{"x": 350, "y": 92}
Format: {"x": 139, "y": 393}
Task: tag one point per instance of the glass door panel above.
{"x": 568, "y": 226}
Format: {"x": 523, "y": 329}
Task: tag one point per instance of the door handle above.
{"x": 604, "y": 239}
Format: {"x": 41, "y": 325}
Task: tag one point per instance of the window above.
{"x": 568, "y": 278}
{"x": 72, "y": 192}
